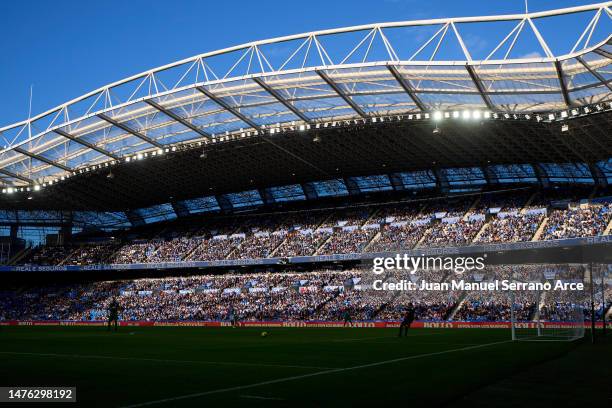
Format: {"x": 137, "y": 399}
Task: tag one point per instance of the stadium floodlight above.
{"x": 302, "y": 128}
{"x": 466, "y": 114}
{"x": 564, "y": 127}
{"x": 538, "y": 118}
{"x": 476, "y": 114}
{"x": 551, "y": 116}
{"x": 528, "y": 116}
{"x": 36, "y": 187}
{"x": 10, "y": 190}
{"x": 456, "y": 114}
{"x": 487, "y": 115}
{"x": 564, "y": 114}
{"x": 437, "y": 115}
{"x": 574, "y": 112}
{"x": 507, "y": 115}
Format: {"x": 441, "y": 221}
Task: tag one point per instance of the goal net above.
{"x": 560, "y": 304}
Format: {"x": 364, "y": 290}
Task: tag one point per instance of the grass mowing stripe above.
{"x": 315, "y": 374}
{"x": 365, "y": 338}
{"x": 158, "y": 360}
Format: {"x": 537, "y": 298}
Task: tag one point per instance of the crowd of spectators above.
{"x": 135, "y": 253}
{"x": 580, "y": 222}
{"x": 376, "y": 229}
{"x": 91, "y": 254}
{"x": 347, "y": 241}
{"x": 307, "y": 296}
{"x": 452, "y": 233}
{"x": 511, "y": 228}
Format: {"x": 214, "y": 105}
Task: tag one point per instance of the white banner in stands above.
{"x": 371, "y": 226}
{"x": 231, "y": 290}
{"x": 422, "y": 221}
{"x": 257, "y": 290}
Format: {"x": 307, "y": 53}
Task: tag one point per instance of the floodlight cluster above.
{"x": 435, "y": 116}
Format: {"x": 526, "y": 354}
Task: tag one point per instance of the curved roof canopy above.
{"x": 348, "y": 73}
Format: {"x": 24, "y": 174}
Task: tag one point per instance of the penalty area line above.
{"x": 315, "y": 374}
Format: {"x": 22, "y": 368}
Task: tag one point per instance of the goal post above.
{"x": 557, "y": 315}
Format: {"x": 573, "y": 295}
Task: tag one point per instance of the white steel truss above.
{"x": 339, "y": 74}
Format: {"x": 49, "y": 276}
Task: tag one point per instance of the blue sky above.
{"x": 67, "y": 48}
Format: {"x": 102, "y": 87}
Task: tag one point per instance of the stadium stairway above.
{"x": 372, "y": 241}
{"x": 21, "y": 255}
{"x": 323, "y": 244}
{"x": 326, "y": 301}
{"x": 480, "y": 232}
{"x": 541, "y": 304}
{"x": 608, "y": 228}
{"x": 536, "y": 310}
{"x": 470, "y": 210}
{"x": 420, "y": 241}
{"x": 74, "y": 251}
{"x": 540, "y": 230}
{"x": 456, "y": 308}
{"x": 528, "y": 203}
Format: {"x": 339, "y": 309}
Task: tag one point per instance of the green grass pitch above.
{"x": 291, "y": 367}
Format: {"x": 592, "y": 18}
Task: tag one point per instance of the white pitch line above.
{"x": 315, "y": 374}
{"x": 261, "y": 398}
{"x": 158, "y": 360}
{"x": 384, "y": 337}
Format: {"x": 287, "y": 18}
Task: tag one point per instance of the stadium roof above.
{"x": 312, "y": 80}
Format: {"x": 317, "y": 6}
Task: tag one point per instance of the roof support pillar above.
{"x": 309, "y": 191}
{"x": 266, "y": 196}
{"x": 441, "y": 180}
{"x": 490, "y": 176}
{"x": 352, "y": 186}
{"x": 224, "y": 203}
{"x": 396, "y": 182}
{"x": 600, "y": 178}
{"x": 541, "y": 175}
